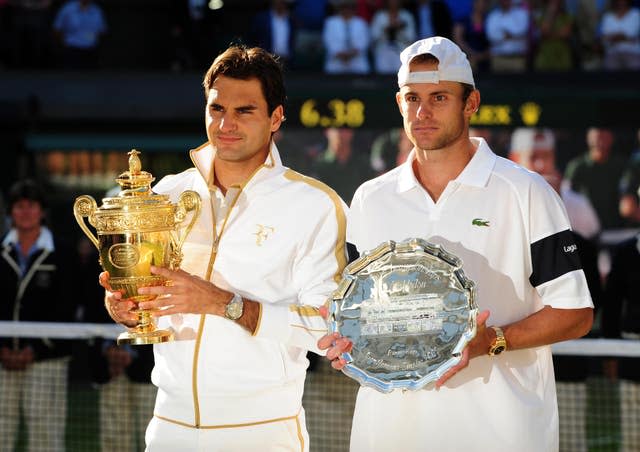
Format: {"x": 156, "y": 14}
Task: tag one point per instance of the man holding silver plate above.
{"x": 468, "y": 272}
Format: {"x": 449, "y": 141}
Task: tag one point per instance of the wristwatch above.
{"x": 234, "y": 309}
{"x": 499, "y": 344}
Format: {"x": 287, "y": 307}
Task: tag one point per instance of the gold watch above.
{"x": 499, "y": 344}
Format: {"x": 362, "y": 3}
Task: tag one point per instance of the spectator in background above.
{"x": 195, "y": 34}
{"x": 346, "y": 40}
{"x": 341, "y": 166}
{"x": 587, "y": 15}
{"x": 389, "y": 150}
{"x": 620, "y": 31}
{"x": 629, "y": 184}
{"x": 508, "y": 33}
{"x": 36, "y": 274}
{"x": 536, "y": 151}
{"x": 274, "y": 30}
{"x": 433, "y": 18}
{"x": 471, "y": 36}
{"x": 31, "y": 22}
{"x": 621, "y": 320}
{"x": 392, "y": 29}
{"x": 553, "y": 33}
{"x": 79, "y": 25}
{"x": 596, "y": 174}
{"x": 309, "y": 17}
{"x": 459, "y": 9}
{"x": 368, "y": 8}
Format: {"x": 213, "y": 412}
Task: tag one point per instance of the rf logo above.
{"x": 262, "y": 233}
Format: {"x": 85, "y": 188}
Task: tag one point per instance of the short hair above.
{"x": 245, "y": 63}
{"x": 26, "y": 189}
{"x": 430, "y": 58}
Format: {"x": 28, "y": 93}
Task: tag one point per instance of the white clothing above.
{"x": 509, "y": 227}
{"x": 624, "y": 54}
{"x": 284, "y": 435}
{"x": 280, "y": 34}
{"x": 339, "y": 35}
{"x": 514, "y": 22}
{"x": 281, "y": 243}
{"x": 582, "y": 215}
{"x": 386, "y": 52}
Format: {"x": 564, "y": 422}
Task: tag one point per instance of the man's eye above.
{"x": 440, "y": 98}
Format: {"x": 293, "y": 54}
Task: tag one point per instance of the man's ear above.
{"x": 277, "y": 118}
{"x": 473, "y": 103}
{"x": 399, "y": 101}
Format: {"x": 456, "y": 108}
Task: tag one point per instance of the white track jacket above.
{"x": 278, "y": 239}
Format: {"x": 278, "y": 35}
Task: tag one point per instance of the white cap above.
{"x": 453, "y": 64}
{"x": 524, "y": 139}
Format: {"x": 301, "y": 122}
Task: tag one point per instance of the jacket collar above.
{"x": 475, "y": 174}
{"x": 44, "y": 242}
{"x": 203, "y": 159}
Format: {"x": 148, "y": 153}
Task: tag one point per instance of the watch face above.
{"x": 234, "y": 310}
{"x": 499, "y": 349}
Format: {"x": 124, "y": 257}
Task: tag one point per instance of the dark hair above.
{"x": 430, "y": 58}
{"x": 26, "y": 189}
{"x": 245, "y": 63}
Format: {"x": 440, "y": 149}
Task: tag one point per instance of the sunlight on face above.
{"x": 238, "y": 124}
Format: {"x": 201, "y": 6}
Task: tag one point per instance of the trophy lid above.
{"x": 135, "y": 179}
{"x": 135, "y": 186}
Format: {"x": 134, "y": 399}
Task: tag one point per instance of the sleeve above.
{"x": 361, "y": 39}
{"x": 556, "y": 269}
{"x": 572, "y": 174}
{"x": 331, "y": 44}
{"x": 59, "y": 21}
{"x": 519, "y": 23}
{"x": 630, "y": 180}
{"x": 495, "y": 32}
{"x": 316, "y": 273}
{"x": 377, "y": 27}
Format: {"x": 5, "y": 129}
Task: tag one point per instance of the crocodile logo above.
{"x": 480, "y": 222}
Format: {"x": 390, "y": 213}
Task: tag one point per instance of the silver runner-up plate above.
{"x": 409, "y": 311}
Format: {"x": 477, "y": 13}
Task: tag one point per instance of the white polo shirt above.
{"x": 511, "y": 231}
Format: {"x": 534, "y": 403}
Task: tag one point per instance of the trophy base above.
{"x": 146, "y": 338}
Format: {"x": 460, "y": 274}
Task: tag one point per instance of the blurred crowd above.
{"x": 335, "y": 36}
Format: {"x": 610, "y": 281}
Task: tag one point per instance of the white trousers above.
{"x": 289, "y": 434}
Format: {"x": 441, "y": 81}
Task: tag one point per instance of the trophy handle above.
{"x": 85, "y": 206}
{"x": 188, "y": 201}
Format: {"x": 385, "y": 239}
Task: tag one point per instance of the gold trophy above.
{"x": 137, "y": 229}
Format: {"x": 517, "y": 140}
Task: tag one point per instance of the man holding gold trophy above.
{"x": 266, "y": 250}
{"x": 511, "y": 231}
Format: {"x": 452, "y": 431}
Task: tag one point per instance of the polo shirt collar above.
{"x": 475, "y": 174}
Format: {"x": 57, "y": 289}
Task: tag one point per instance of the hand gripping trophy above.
{"x": 138, "y": 229}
